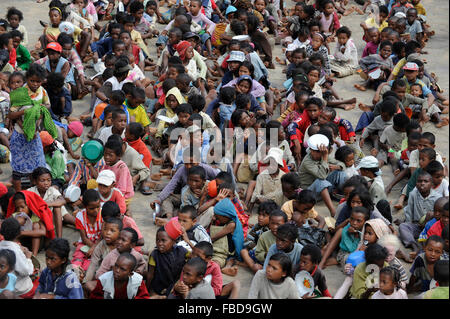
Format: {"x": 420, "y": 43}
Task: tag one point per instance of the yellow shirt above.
{"x": 137, "y": 38}
{"x": 372, "y": 23}
{"x": 139, "y": 114}
{"x": 54, "y": 32}
{"x": 420, "y": 9}
{"x": 288, "y": 209}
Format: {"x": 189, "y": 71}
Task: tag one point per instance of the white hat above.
{"x": 193, "y": 128}
{"x": 316, "y": 140}
{"x": 368, "y": 162}
{"x": 400, "y": 15}
{"x": 291, "y": 47}
{"x": 67, "y": 27}
{"x": 243, "y": 37}
{"x": 238, "y": 56}
{"x": 106, "y": 177}
{"x": 275, "y": 153}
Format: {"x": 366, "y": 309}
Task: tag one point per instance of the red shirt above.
{"x": 436, "y": 229}
{"x": 142, "y": 149}
{"x": 129, "y": 222}
{"x": 116, "y": 197}
{"x": 98, "y": 292}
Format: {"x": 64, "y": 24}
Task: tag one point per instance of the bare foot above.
{"x": 398, "y": 205}
{"x": 396, "y": 172}
{"x": 349, "y": 107}
{"x": 157, "y": 161}
{"x": 363, "y": 107}
{"x": 360, "y": 87}
{"x": 442, "y": 123}
{"x": 282, "y": 62}
{"x": 156, "y": 176}
{"x": 230, "y": 271}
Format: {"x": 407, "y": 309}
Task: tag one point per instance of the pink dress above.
{"x": 124, "y": 182}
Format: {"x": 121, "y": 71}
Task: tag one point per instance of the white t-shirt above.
{"x": 414, "y": 159}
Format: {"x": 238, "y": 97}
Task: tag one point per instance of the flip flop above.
{"x": 145, "y": 190}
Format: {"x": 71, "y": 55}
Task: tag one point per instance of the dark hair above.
{"x": 136, "y": 129}
{"x": 342, "y": 153}
{"x": 411, "y": 47}
{"x": 315, "y": 101}
{"x": 242, "y": 100}
{"x": 129, "y": 19}
{"x": 306, "y": 196}
{"x": 400, "y": 120}
{"x": 250, "y": 67}
{"x": 291, "y": 178}
{"x": 436, "y": 239}
{"x": 16, "y": 73}
{"x": 16, "y": 33}
{"x": 356, "y": 181}
{"x": 61, "y": 247}
{"x": 383, "y": 9}
{"x": 108, "y": 109}
{"x": 116, "y": 221}
{"x": 227, "y": 95}
{"x": 313, "y": 251}
{"x": 375, "y": 252}
{"x": 197, "y": 102}
{"x": 168, "y": 84}
{"x": 38, "y": 171}
{"x": 36, "y": 70}
{"x": 191, "y": 210}
{"x": 278, "y": 213}
{"x": 444, "y": 233}
{"x": 236, "y": 116}
{"x": 430, "y": 137}
{"x": 225, "y": 185}
{"x": 130, "y": 257}
{"x": 441, "y": 272}
{"x": 345, "y": 30}
{"x": 179, "y": 67}
{"x": 414, "y": 136}
{"x": 364, "y": 196}
{"x": 288, "y": 231}
{"x": 10, "y": 257}
{"x": 429, "y": 152}
{"x": 115, "y": 146}
{"x": 385, "y": 43}
{"x": 110, "y": 209}
{"x": 285, "y": 262}
{"x": 184, "y": 108}
{"x": 89, "y": 196}
{"x": 225, "y": 176}
{"x": 174, "y": 60}
{"x": 206, "y": 247}
{"x": 197, "y": 170}
{"x": 362, "y": 210}
{"x": 10, "y": 229}
{"x": 394, "y": 273}
{"x": 267, "y": 207}
{"x": 13, "y": 11}
{"x": 397, "y": 47}
{"x": 388, "y": 107}
{"x": 114, "y": 25}
{"x": 184, "y": 78}
{"x": 198, "y": 264}
{"x": 136, "y": 6}
{"x": 434, "y": 167}
{"x": 134, "y": 234}
{"x": 64, "y": 38}
{"x": 55, "y": 80}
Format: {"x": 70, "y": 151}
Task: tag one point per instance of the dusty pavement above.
{"x": 437, "y": 61}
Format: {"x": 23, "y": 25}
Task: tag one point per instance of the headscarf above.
{"x": 39, "y": 207}
{"x": 175, "y": 92}
{"x": 379, "y": 227}
{"x": 226, "y": 208}
{"x": 182, "y": 47}
{"x": 46, "y": 138}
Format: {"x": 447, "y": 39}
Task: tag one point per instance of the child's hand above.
{"x": 374, "y": 152}
{"x": 361, "y": 142}
{"x": 223, "y": 193}
{"x": 26, "y": 251}
{"x": 323, "y": 149}
{"x": 90, "y": 251}
{"x": 306, "y": 296}
{"x": 348, "y": 269}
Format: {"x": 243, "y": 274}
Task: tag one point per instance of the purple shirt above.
{"x": 371, "y": 48}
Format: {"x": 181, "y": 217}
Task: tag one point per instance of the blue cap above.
{"x": 230, "y": 9}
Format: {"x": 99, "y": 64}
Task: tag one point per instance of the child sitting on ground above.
{"x": 165, "y": 264}
{"x": 390, "y": 285}
{"x": 7, "y": 276}
{"x": 440, "y": 274}
{"x": 309, "y": 260}
{"x": 422, "y": 270}
{"x": 439, "y": 226}
{"x": 439, "y": 207}
{"x": 193, "y": 233}
{"x": 196, "y": 183}
{"x": 133, "y": 136}
{"x": 274, "y": 282}
{"x": 107, "y": 191}
{"x": 192, "y": 284}
{"x": 122, "y": 282}
{"x": 286, "y": 242}
{"x": 58, "y": 281}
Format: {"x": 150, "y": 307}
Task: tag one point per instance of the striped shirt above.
{"x": 93, "y": 232}
{"x": 81, "y": 174}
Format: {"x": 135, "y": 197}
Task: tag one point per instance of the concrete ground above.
{"x": 437, "y": 61}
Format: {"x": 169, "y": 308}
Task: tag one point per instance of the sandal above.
{"x": 145, "y": 190}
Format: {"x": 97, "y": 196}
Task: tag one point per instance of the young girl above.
{"x": 26, "y": 146}
{"x": 7, "y": 277}
{"x": 329, "y": 21}
{"x": 42, "y": 179}
{"x": 89, "y": 224}
{"x": 134, "y": 49}
{"x": 41, "y": 216}
{"x": 54, "y": 158}
{"x": 23, "y": 57}
{"x": 347, "y": 238}
{"x": 112, "y": 155}
{"x": 317, "y": 46}
{"x": 346, "y": 156}
{"x": 196, "y": 68}
{"x": 275, "y": 282}
{"x": 14, "y": 17}
{"x": 345, "y": 60}
{"x": 165, "y": 264}
{"x": 122, "y": 282}
{"x": 58, "y": 281}
{"x": 375, "y": 256}
{"x": 389, "y": 285}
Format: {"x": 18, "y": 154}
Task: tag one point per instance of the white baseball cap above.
{"x": 316, "y": 140}
{"x": 368, "y": 162}
{"x": 106, "y": 177}
{"x": 275, "y": 153}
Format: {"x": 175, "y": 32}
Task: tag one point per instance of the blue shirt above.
{"x": 11, "y": 283}
{"x": 124, "y": 107}
{"x": 294, "y": 254}
{"x": 65, "y": 286}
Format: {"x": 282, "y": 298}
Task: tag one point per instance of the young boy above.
{"x": 193, "y": 233}
{"x": 133, "y": 136}
{"x": 266, "y": 240}
{"x": 196, "y": 182}
{"x": 437, "y": 172}
{"x": 193, "y": 284}
{"x": 106, "y": 181}
{"x": 438, "y": 227}
{"x": 136, "y": 109}
{"x": 286, "y": 242}
{"x": 119, "y": 123}
{"x": 422, "y": 270}
{"x": 440, "y": 270}
{"x": 304, "y": 204}
{"x": 391, "y": 141}
{"x": 437, "y": 213}
{"x": 314, "y": 169}
{"x": 310, "y": 258}
{"x": 426, "y": 156}
{"x": 421, "y": 201}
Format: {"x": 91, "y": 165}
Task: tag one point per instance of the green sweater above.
{"x": 359, "y": 280}
{"x": 57, "y": 164}
{"x": 266, "y": 240}
{"x": 23, "y": 57}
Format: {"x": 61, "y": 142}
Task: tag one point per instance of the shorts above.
{"x": 252, "y": 254}
{"x": 342, "y": 257}
{"x": 204, "y": 37}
